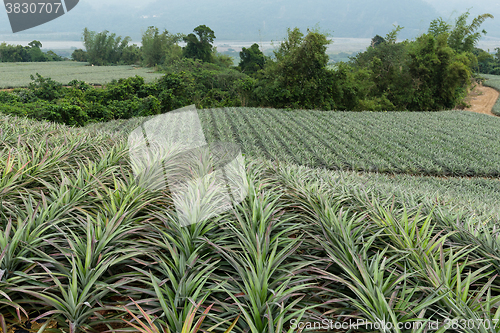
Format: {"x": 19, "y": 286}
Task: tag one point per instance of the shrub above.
{"x": 45, "y": 88}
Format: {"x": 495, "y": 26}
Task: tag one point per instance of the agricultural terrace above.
{"x": 15, "y": 75}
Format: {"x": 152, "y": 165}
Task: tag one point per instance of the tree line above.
{"x": 30, "y": 53}
{"x": 432, "y": 72}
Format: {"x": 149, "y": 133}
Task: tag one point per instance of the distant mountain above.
{"x": 244, "y": 20}
{"x": 268, "y": 20}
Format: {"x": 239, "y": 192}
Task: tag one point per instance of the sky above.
{"x": 448, "y": 9}
{"x": 131, "y": 3}
{"x": 443, "y": 6}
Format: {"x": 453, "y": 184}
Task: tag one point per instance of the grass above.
{"x": 15, "y": 75}
{"x": 493, "y": 81}
{"x": 83, "y": 245}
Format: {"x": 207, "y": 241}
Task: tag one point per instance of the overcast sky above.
{"x": 266, "y": 22}
{"x": 100, "y": 3}
{"x": 447, "y": 7}
{"x": 439, "y": 4}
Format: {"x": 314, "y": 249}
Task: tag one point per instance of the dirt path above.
{"x": 482, "y": 99}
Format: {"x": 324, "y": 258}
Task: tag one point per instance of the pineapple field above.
{"x": 17, "y": 75}
{"x": 353, "y": 222}
{"x": 299, "y": 197}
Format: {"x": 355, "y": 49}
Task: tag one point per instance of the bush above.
{"x": 149, "y": 106}
{"x": 45, "y": 88}
{"x": 6, "y": 97}
{"x": 79, "y": 55}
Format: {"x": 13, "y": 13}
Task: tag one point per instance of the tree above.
{"x": 131, "y": 55}
{"x": 438, "y": 27}
{"x": 299, "y": 77}
{"x": 392, "y": 36}
{"x": 252, "y": 59}
{"x": 377, "y": 40}
{"x": 462, "y": 37}
{"x": 385, "y": 63}
{"x": 440, "y": 76}
{"x": 14, "y": 53}
{"x": 29, "y": 53}
{"x": 52, "y": 56}
{"x": 199, "y": 45}
{"x": 160, "y": 48}
{"x": 79, "y": 55}
{"x": 36, "y": 54}
{"x": 35, "y": 43}
{"x": 102, "y": 48}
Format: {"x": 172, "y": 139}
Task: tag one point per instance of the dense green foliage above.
{"x": 211, "y": 85}
{"x": 104, "y": 49}
{"x": 159, "y": 48}
{"x": 430, "y": 73}
{"x": 425, "y": 74}
{"x": 488, "y": 63}
{"x": 80, "y": 238}
{"x": 185, "y": 82}
{"x": 299, "y": 78}
{"x": 81, "y": 103}
{"x": 462, "y": 37}
{"x": 199, "y": 44}
{"x": 79, "y": 55}
{"x": 30, "y": 53}
{"x": 252, "y": 59}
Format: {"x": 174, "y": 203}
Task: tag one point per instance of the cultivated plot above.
{"x": 14, "y": 75}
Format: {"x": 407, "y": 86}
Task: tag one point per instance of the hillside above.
{"x": 236, "y": 20}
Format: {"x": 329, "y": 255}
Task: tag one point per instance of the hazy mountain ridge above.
{"x": 258, "y": 20}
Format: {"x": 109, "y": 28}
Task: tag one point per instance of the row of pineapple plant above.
{"x": 83, "y": 246}
{"x": 451, "y": 143}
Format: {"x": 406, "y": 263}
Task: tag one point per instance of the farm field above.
{"x": 313, "y": 241}
{"x": 425, "y": 143}
{"x": 493, "y": 81}
{"x": 14, "y": 75}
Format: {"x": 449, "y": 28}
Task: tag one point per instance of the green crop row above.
{"x": 455, "y": 143}
{"x": 451, "y": 143}
{"x": 83, "y": 247}
{"x": 493, "y": 81}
